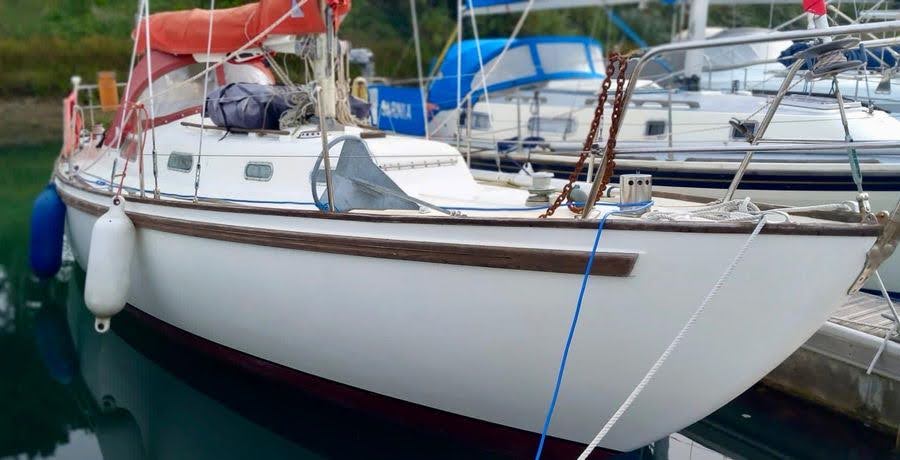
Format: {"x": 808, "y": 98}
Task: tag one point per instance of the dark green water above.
{"x": 68, "y": 393}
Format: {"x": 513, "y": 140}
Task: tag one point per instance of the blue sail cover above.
{"x": 528, "y": 61}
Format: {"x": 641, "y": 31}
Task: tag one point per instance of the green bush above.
{"x": 42, "y": 66}
{"x": 50, "y": 40}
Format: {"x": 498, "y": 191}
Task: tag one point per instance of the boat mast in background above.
{"x": 693, "y": 59}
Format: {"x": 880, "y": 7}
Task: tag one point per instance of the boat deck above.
{"x": 866, "y": 313}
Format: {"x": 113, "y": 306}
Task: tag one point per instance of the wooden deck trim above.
{"x": 813, "y": 229}
{"x": 616, "y": 264}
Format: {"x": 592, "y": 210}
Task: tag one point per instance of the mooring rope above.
{"x": 678, "y": 338}
{"x": 575, "y": 315}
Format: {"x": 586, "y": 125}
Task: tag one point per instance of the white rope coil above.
{"x": 743, "y": 210}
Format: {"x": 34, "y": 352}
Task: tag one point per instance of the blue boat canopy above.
{"x": 481, "y": 7}
{"x": 529, "y": 60}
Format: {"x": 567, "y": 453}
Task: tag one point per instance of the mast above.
{"x": 323, "y": 65}
{"x": 694, "y": 59}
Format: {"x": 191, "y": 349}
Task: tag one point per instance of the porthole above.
{"x": 258, "y": 171}
{"x": 480, "y": 120}
{"x": 562, "y": 126}
{"x": 181, "y": 162}
{"x": 655, "y": 128}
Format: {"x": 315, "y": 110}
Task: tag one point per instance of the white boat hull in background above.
{"x": 483, "y": 342}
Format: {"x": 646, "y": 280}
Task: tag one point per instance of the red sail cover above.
{"x": 186, "y": 32}
{"x": 816, "y": 7}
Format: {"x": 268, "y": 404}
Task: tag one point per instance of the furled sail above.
{"x": 186, "y": 32}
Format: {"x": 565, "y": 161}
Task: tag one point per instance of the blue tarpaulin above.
{"x": 854, "y": 54}
{"x": 397, "y": 109}
{"x": 512, "y": 71}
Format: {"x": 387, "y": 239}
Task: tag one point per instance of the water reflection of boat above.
{"x": 156, "y": 398}
{"x": 147, "y": 397}
{"x": 144, "y": 411}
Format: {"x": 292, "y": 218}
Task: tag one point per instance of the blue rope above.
{"x": 565, "y": 355}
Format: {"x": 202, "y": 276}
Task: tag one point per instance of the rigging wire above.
{"x": 415, "y": 24}
{"x": 487, "y": 99}
{"x": 125, "y": 105}
{"x": 152, "y": 109}
{"x": 212, "y": 7}
{"x": 236, "y": 52}
{"x": 497, "y": 60}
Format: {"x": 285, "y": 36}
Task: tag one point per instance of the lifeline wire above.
{"x": 681, "y": 334}
{"x": 565, "y": 355}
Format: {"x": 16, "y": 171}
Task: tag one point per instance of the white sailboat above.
{"x": 412, "y": 284}
{"x": 529, "y": 102}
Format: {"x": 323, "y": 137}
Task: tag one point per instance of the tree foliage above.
{"x": 49, "y": 40}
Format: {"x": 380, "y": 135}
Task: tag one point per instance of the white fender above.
{"x": 109, "y": 265}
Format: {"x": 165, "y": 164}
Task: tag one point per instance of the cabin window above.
{"x": 480, "y": 120}
{"x": 181, "y": 162}
{"x": 563, "y": 57}
{"x": 737, "y": 134}
{"x": 562, "y": 126}
{"x": 517, "y": 63}
{"x": 172, "y": 94}
{"x": 258, "y": 171}
{"x": 655, "y": 128}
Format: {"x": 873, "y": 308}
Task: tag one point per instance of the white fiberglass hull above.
{"x": 789, "y": 183}
{"x": 485, "y": 342}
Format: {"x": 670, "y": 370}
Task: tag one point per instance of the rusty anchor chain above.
{"x": 608, "y": 158}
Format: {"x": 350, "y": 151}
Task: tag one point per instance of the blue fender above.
{"x": 48, "y": 218}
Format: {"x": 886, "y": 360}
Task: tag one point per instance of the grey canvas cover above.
{"x": 247, "y": 105}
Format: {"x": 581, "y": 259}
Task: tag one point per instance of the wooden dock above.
{"x": 865, "y": 313}
{"x": 831, "y": 367}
